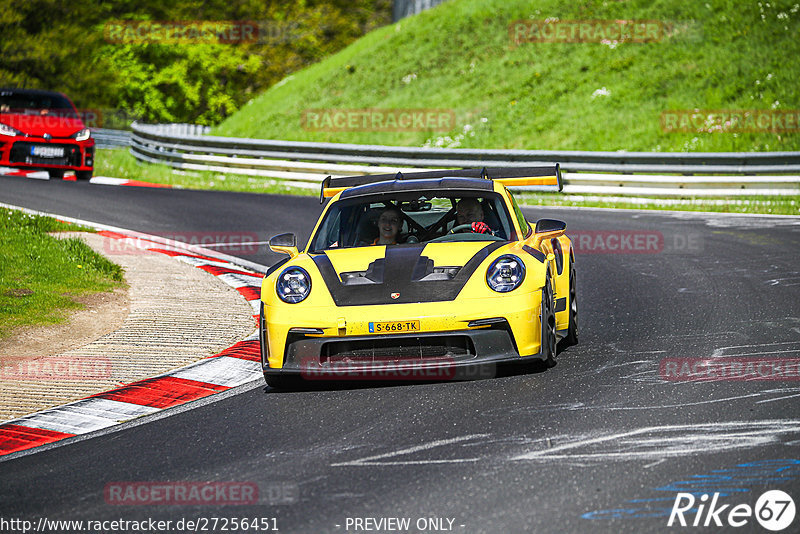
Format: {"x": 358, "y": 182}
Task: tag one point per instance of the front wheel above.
{"x": 56, "y": 175}
{"x": 83, "y": 175}
{"x": 280, "y": 382}
{"x": 548, "y": 318}
{"x": 572, "y": 332}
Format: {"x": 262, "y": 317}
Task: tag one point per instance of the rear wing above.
{"x": 543, "y": 178}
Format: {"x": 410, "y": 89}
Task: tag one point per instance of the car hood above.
{"x": 38, "y": 125}
{"x": 401, "y": 273}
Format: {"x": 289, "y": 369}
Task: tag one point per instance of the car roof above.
{"x": 485, "y": 179}
{"x": 29, "y": 91}
{"x": 449, "y": 183}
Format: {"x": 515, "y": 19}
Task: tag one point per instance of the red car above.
{"x": 41, "y": 130}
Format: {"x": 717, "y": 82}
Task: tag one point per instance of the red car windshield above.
{"x": 35, "y": 104}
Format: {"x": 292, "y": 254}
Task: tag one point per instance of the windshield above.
{"x": 35, "y": 104}
{"x": 413, "y": 218}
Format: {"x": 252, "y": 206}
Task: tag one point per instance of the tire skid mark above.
{"x": 651, "y": 444}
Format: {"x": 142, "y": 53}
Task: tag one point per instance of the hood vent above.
{"x": 423, "y": 271}
{"x": 393, "y": 279}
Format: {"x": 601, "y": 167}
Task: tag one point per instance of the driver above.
{"x": 469, "y": 211}
{"x": 389, "y": 224}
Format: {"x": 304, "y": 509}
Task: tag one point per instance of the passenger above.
{"x": 389, "y": 224}
{"x": 469, "y": 211}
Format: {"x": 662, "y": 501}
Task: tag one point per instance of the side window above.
{"x": 496, "y": 216}
{"x": 328, "y": 233}
{"x": 333, "y": 231}
{"x": 523, "y": 224}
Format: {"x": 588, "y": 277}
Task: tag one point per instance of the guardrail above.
{"x": 185, "y": 147}
{"x": 105, "y": 138}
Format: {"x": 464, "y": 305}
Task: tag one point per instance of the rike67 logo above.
{"x": 774, "y": 510}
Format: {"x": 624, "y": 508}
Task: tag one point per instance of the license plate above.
{"x": 393, "y": 327}
{"x": 44, "y": 151}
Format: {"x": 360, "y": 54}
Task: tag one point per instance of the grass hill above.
{"x": 460, "y": 56}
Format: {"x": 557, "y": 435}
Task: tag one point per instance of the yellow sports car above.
{"x": 424, "y": 275}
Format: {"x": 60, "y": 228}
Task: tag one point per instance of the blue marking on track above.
{"x": 742, "y": 478}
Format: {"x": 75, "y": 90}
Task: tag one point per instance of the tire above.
{"x": 273, "y": 381}
{"x": 56, "y": 175}
{"x": 83, "y": 175}
{"x": 572, "y": 333}
{"x": 548, "y": 318}
{"x": 279, "y": 382}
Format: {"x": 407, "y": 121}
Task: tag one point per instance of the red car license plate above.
{"x": 44, "y": 151}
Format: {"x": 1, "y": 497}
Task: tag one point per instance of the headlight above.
{"x": 505, "y": 273}
{"x": 83, "y": 135}
{"x": 293, "y": 285}
{"x": 8, "y": 130}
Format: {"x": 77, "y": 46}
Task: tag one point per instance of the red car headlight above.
{"x": 8, "y": 130}
{"x": 83, "y": 135}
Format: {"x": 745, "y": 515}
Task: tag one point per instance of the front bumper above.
{"x": 521, "y": 311}
{"x": 77, "y": 155}
{"x": 455, "y": 355}
{"x": 448, "y": 346}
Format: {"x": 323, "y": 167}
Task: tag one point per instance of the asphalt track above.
{"x": 599, "y": 443}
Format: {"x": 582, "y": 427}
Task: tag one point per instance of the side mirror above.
{"x": 547, "y": 229}
{"x": 550, "y": 225}
{"x": 284, "y": 244}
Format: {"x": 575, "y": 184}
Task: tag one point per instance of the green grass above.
{"x": 719, "y": 54}
{"x": 40, "y": 275}
{"x": 118, "y": 163}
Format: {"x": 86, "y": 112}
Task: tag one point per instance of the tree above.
{"x": 48, "y": 45}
